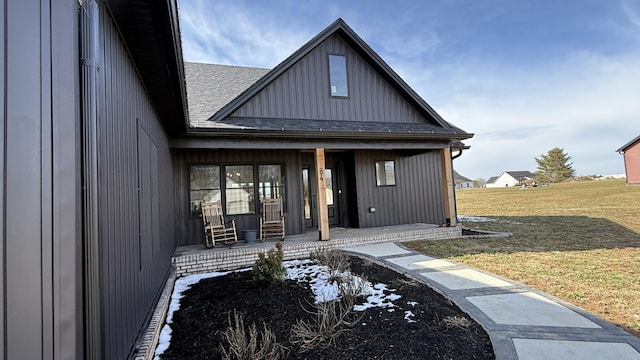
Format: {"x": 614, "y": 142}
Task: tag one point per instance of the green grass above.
{"x": 577, "y": 241}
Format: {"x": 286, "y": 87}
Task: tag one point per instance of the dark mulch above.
{"x": 381, "y": 334}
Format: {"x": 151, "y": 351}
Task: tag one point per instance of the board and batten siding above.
{"x": 134, "y": 197}
{"x": 40, "y": 305}
{"x": 416, "y": 198}
{"x": 302, "y": 92}
{"x": 189, "y": 231}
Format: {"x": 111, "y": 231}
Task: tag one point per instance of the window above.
{"x": 338, "y": 75}
{"x": 270, "y": 182}
{"x": 385, "y": 173}
{"x": 205, "y": 186}
{"x": 239, "y": 190}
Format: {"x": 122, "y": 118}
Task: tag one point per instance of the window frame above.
{"x": 248, "y": 184}
{"x": 222, "y": 183}
{"x": 384, "y": 166}
{"x": 331, "y": 78}
{"x": 192, "y": 214}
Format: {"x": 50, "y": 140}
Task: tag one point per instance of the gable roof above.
{"x": 624, "y": 147}
{"x": 457, "y": 176}
{"x": 211, "y": 86}
{"x": 222, "y": 123}
{"x": 521, "y": 174}
{"x": 492, "y": 179}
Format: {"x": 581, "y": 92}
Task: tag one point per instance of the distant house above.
{"x": 462, "y": 182}
{"x": 631, "y": 152}
{"x": 510, "y": 178}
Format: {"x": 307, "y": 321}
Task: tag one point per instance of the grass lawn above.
{"x": 577, "y": 241}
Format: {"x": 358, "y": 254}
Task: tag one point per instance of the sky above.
{"x": 524, "y": 76}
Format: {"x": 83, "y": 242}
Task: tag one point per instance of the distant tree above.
{"x": 554, "y": 166}
{"x": 479, "y": 182}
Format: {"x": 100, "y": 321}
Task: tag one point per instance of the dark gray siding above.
{"x": 189, "y": 230}
{"x": 417, "y": 196}
{"x": 303, "y": 92}
{"x": 135, "y": 202}
{"x": 41, "y": 313}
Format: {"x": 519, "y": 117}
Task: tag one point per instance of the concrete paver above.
{"x": 531, "y": 349}
{"x": 529, "y": 309}
{"x": 523, "y": 323}
{"x": 379, "y": 250}
{"x": 420, "y": 262}
{"x": 465, "y": 279}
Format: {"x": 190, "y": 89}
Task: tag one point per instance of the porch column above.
{"x": 323, "y": 215}
{"x": 448, "y": 189}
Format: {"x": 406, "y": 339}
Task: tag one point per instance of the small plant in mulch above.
{"x": 268, "y": 269}
{"x": 246, "y": 343}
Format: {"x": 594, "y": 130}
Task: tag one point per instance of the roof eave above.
{"x": 624, "y": 147}
{"x": 156, "y": 54}
{"x": 292, "y": 134}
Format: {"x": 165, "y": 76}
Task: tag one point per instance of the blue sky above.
{"x": 523, "y": 76}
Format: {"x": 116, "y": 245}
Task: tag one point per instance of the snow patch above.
{"x": 303, "y": 271}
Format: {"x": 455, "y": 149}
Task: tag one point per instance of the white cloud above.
{"x": 585, "y": 102}
{"x": 227, "y": 33}
{"x": 587, "y": 105}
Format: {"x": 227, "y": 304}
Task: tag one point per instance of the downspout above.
{"x": 455, "y": 201}
{"x": 89, "y": 14}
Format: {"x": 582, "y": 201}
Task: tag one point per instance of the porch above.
{"x": 193, "y": 259}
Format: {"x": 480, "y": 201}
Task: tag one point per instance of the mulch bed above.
{"x": 380, "y": 334}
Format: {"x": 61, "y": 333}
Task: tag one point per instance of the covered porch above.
{"x": 193, "y": 259}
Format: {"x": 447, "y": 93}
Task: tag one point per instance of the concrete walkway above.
{"x": 523, "y": 323}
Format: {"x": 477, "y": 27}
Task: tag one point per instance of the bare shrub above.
{"x": 351, "y": 287}
{"x": 457, "y": 321}
{"x": 335, "y": 260}
{"x": 331, "y": 318}
{"x": 249, "y": 345}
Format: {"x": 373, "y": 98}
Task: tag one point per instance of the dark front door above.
{"x": 310, "y": 196}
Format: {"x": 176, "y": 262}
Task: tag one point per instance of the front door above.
{"x": 310, "y": 198}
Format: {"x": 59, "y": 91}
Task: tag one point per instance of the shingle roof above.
{"x": 492, "y": 179}
{"x": 521, "y": 174}
{"x": 211, "y": 86}
{"x": 457, "y": 176}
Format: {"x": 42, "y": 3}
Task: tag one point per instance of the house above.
{"x": 461, "y": 181}
{"x": 510, "y": 178}
{"x": 332, "y": 126}
{"x": 102, "y": 167}
{"x": 631, "y": 153}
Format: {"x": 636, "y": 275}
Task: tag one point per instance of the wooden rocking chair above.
{"x": 215, "y": 228}
{"x": 271, "y": 219}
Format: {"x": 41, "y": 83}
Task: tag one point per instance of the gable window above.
{"x": 204, "y": 186}
{"x": 338, "y": 75}
{"x": 385, "y": 173}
